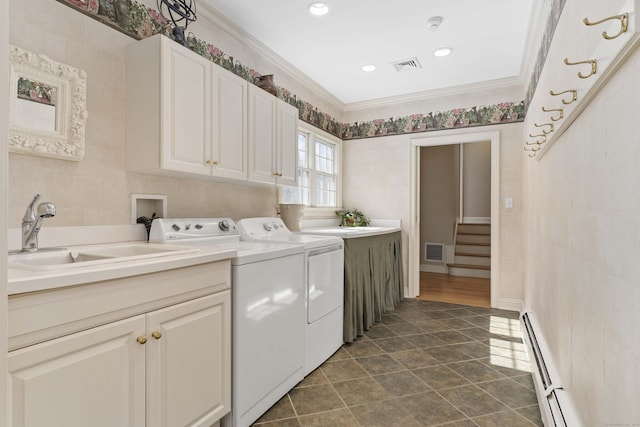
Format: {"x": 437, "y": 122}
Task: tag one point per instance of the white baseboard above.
{"x": 511, "y": 304}
{"x": 434, "y": 268}
{"x": 476, "y": 220}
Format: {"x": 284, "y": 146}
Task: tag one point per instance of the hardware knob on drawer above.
{"x": 141, "y": 339}
{"x": 156, "y": 334}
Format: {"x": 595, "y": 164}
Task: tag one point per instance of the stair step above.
{"x": 478, "y": 267}
{"x": 474, "y": 249}
{"x": 483, "y": 239}
{"x": 471, "y": 254}
{"x": 474, "y": 233}
{"x": 482, "y": 260}
{"x": 474, "y": 228}
{"x": 469, "y": 272}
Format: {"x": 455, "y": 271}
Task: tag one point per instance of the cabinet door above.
{"x": 91, "y": 378}
{"x": 262, "y": 135}
{"x": 189, "y": 362}
{"x": 286, "y": 149}
{"x": 186, "y": 110}
{"x": 228, "y": 125}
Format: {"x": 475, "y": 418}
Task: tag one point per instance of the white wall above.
{"x": 582, "y": 220}
{"x": 476, "y": 178}
{"x": 96, "y": 190}
{"x": 377, "y": 181}
{"x": 439, "y": 193}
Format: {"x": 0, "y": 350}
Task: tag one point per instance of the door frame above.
{"x": 4, "y": 189}
{"x": 453, "y": 138}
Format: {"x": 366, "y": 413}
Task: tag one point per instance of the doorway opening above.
{"x": 481, "y": 291}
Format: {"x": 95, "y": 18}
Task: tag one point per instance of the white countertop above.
{"x": 331, "y": 228}
{"x": 22, "y": 280}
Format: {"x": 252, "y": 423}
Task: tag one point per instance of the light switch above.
{"x": 508, "y": 202}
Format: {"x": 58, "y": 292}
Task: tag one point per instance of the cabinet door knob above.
{"x": 141, "y": 339}
{"x": 215, "y": 163}
{"x": 212, "y": 162}
{"x": 156, "y": 334}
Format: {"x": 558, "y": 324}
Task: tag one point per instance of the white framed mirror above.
{"x": 47, "y": 106}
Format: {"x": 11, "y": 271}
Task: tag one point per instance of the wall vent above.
{"x": 434, "y": 252}
{"x": 407, "y": 64}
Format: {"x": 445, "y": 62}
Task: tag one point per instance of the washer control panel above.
{"x": 172, "y": 229}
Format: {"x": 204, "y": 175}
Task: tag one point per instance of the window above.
{"x": 318, "y": 170}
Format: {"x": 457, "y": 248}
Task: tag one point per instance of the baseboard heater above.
{"x": 555, "y": 408}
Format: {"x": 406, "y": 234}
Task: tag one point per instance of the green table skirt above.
{"x": 373, "y": 281}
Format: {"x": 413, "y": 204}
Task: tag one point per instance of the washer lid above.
{"x": 269, "y": 229}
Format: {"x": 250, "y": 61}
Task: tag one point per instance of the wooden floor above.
{"x": 455, "y": 289}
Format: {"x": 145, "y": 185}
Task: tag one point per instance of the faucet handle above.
{"x": 29, "y": 215}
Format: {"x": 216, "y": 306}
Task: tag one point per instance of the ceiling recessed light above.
{"x": 318, "y": 9}
{"x": 443, "y": 51}
{"x": 368, "y": 68}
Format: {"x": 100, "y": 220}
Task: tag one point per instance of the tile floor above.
{"x": 426, "y": 364}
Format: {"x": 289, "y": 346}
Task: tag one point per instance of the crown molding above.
{"x": 436, "y": 93}
{"x": 213, "y": 15}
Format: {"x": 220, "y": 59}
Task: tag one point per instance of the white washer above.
{"x": 267, "y": 293}
{"x": 324, "y": 272}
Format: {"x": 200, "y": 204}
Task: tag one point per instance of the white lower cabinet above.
{"x": 189, "y": 362}
{"x": 169, "y": 367}
{"x": 94, "y": 377}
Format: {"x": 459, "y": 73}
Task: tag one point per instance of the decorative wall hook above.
{"x": 543, "y": 125}
{"x": 538, "y": 143}
{"x": 594, "y": 67}
{"x": 560, "y": 112}
{"x": 624, "y": 24}
{"x": 543, "y": 136}
{"x": 533, "y": 151}
{"x": 574, "y": 94}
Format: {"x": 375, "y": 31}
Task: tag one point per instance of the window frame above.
{"x": 313, "y": 134}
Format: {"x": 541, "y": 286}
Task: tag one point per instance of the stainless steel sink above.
{"x": 59, "y": 259}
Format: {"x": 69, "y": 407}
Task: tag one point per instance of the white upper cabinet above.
{"x": 286, "y": 147}
{"x": 228, "y": 124}
{"x": 168, "y": 108}
{"x": 273, "y": 129}
{"x": 184, "y": 114}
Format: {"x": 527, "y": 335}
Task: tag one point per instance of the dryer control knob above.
{"x": 175, "y": 227}
{"x": 224, "y": 225}
{"x": 199, "y": 226}
{"x": 266, "y": 226}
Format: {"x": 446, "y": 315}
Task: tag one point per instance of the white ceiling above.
{"x": 488, "y": 40}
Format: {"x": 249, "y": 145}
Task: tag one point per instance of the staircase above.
{"x": 472, "y": 251}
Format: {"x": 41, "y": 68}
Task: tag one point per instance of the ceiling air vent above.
{"x": 407, "y": 64}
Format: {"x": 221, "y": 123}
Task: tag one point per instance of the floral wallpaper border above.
{"x": 139, "y": 21}
{"x": 547, "y": 37}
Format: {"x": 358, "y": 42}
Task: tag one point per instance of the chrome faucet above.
{"x": 31, "y": 223}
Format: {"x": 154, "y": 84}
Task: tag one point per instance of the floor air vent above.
{"x": 407, "y": 64}
{"x": 434, "y": 252}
